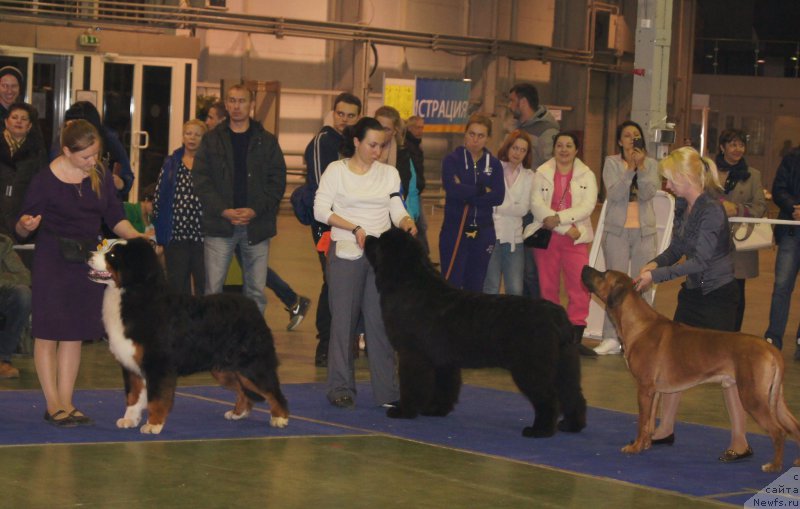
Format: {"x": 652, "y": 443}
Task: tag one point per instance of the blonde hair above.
{"x": 197, "y": 123}
{"x": 393, "y": 115}
{"x": 686, "y": 161}
{"x": 78, "y": 135}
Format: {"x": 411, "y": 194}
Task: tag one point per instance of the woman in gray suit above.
{"x": 629, "y": 240}
{"x": 743, "y": 196}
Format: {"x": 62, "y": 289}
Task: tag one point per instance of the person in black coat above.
{"x": 22, "y": 154}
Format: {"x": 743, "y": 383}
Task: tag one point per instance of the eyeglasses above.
{"x": 343, "y": 115}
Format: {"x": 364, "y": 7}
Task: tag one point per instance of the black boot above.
{"x": 578, "y": 337}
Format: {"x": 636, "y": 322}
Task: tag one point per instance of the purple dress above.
{"x": 66, "y": 305}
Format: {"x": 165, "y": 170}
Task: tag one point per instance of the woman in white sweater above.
{"x": 508, "y": 258}
{"x": 359, "y": 196}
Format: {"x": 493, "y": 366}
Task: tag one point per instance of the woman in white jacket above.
{"x": 508, "y": 258}
{"x": 563, "y": 198}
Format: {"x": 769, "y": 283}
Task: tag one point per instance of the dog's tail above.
{"x": 568, "y": 380}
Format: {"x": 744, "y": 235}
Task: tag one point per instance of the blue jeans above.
{"x": 281, "y": 288}
{"x": 15, "y": 308}
{"x": 505, "y": 265}
{"x": 218, "y": 255}
{"x": 787, "y": 264}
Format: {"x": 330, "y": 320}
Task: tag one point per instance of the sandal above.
{"x": 80, "y": 418}
{"x": 729, "y": 456}
{"x": 65, "y": 421}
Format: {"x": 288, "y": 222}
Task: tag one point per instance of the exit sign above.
{"x": 89, "y": 40}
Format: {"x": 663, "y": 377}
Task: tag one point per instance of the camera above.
{"x": 639, "y": 143}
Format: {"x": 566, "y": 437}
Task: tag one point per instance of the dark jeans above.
{"x": 323, "y": 319}
{"x": 15, "y": 312}
{"x": 530, "y": 280}
{"x": 281, "y": 288}
{"x": 787, "y": 265}
{"x": 185, "y": 261}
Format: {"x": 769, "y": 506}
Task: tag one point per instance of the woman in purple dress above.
{"x": 70, "y": 199}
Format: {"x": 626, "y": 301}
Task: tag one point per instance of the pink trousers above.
{"x": 564, "y": 256}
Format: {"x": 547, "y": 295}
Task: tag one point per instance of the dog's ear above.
{"x": 617, "y": 294}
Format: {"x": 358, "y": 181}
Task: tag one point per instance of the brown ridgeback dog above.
{"x": 666, "y": 357}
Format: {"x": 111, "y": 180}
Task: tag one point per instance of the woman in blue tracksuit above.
{"x": 473, "y": 184}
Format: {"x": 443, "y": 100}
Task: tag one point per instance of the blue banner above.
{"x": 444, "y": 104}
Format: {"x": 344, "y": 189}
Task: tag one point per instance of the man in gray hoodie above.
{"x": 534, "y": 119}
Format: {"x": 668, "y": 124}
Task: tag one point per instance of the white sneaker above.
{"x": 609, "y": 346}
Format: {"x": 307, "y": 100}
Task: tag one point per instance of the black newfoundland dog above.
{"x": 437, "y": 330}
{"x": 157, "y": 336}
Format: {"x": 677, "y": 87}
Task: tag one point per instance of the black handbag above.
{"x": 76, "y": 251}
{"x": 539, "y": 240}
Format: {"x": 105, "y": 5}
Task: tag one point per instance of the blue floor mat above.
{"x": 485, "y": 421}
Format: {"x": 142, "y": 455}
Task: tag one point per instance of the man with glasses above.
{"x": 320, "y": 152}
{"x": 239, "y": 175}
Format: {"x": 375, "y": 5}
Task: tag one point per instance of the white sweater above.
{"x": 583, "y": 188}
{"x": 364, "y": 200}
{"x": 517, "y": 202}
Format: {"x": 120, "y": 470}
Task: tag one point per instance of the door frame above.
{"x": 177, "y": 101}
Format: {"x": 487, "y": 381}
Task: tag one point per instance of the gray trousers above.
{"x": 351, "y": 291}
{"x": 627, "y": 253}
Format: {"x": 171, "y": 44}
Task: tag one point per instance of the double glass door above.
{"x": 146, "y": 104}
{"x": 145, "y": 101}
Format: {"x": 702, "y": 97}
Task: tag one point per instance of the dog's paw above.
{"x": 533, "y": 432}
{"x": 126, "y": 423}
{"x": 632, "y": 448}
{"x": 278, "y": 422}
{"x": 772, "y": 467}
{"x": 569, "y": 426}
{"x": 231, "y": 415}
{"x": 436, "y": 412}
{"x": 398, "y": 413}
{"x": 151, "y": 429}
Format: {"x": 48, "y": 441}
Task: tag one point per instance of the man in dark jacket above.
{"x": 320, "y": 152}
{"x": 786, "y": 195}
{"x": 239, "y": 175}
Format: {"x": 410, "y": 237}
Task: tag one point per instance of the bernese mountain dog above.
{"x": 157, "y": 336}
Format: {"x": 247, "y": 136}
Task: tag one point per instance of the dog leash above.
{"x": 458, "y": 241}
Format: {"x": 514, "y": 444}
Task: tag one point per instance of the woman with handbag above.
{"x": 629, "y": 238}
{"x": 743, "y": 197}
{"x": 709, "y": 296}
{"x": 67, "y": 202}
{"x": 563, "y": 198}
{"x": 508, "y": 258}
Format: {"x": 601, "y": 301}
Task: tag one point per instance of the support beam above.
{"x": 653, "y": 41}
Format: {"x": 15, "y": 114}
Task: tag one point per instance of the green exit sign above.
{"x": 89, "y": 40}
